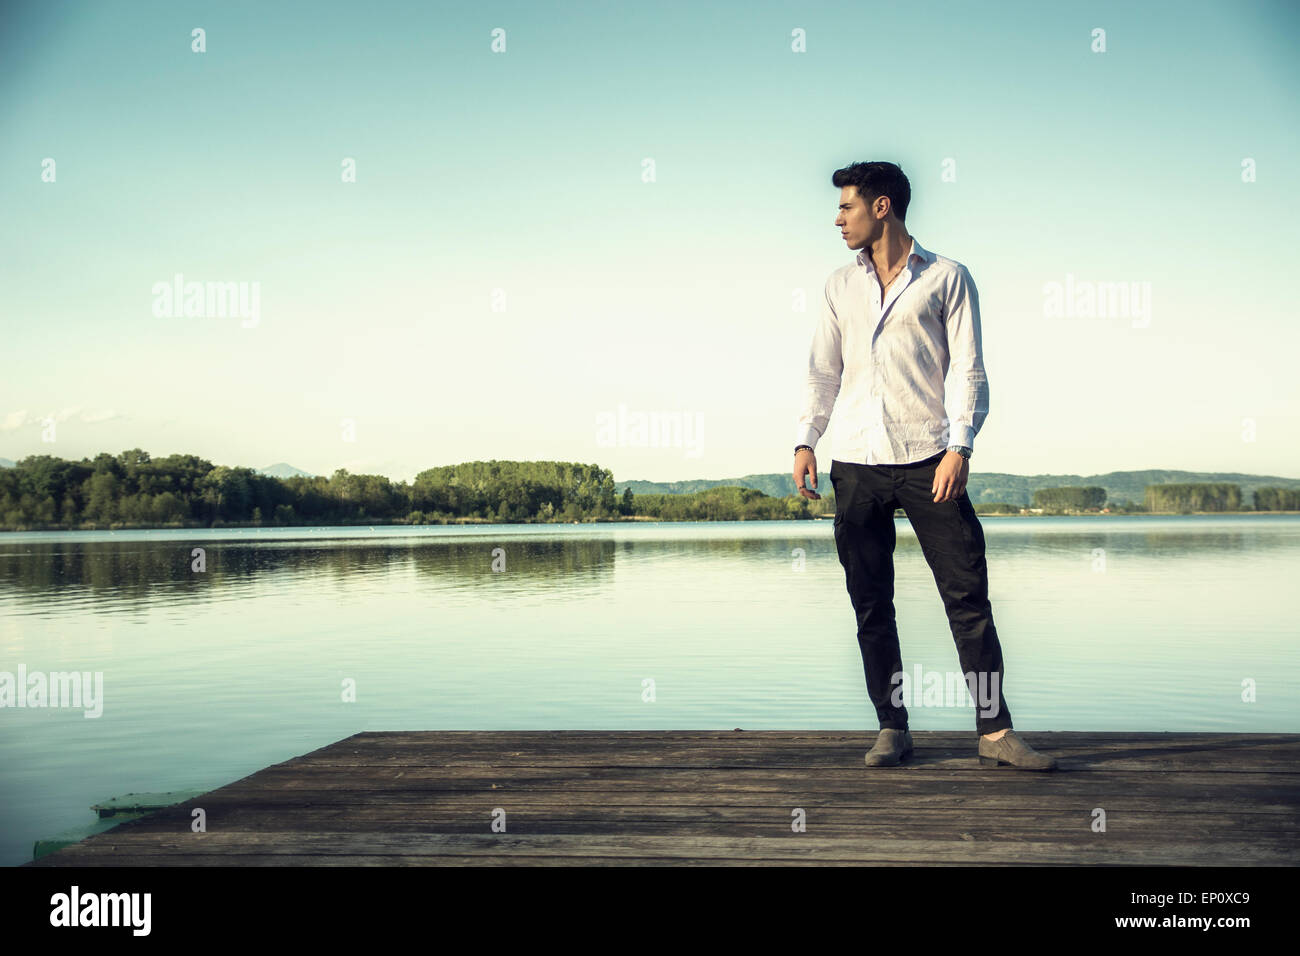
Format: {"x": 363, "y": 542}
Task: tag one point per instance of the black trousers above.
{"x": 953, "y": 544}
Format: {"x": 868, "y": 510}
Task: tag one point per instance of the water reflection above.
{"x": 60, "y": 572}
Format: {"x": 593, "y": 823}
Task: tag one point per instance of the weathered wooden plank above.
{"x": 1226, "y": 753}
{"x": 504, "y": 859}
{"x": 550, "y": 739}
{"x": 1003, "y": 780}
{"x": 615, "y": 804}
{"x": 794, "y": 746}
{"x": 793, "y": 846}
{"x": 598, "y": 803}
{"x": 881, "y": 851}
{"x": 922, "y": 760}
{"x": 1064, "y": 828}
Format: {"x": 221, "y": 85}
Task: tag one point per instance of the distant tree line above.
{"x": 723, "y": 503}
{"x": 1183, "y": 498}
{"x": 1071, "y": 498}
{"x": 133, "y": 490}
{"x": 1202, "y": 496}
{"x": 1277, "y": 499}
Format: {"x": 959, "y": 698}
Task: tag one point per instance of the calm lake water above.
{"x": 1114, "y": 623}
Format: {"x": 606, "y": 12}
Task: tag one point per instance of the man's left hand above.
{"x": 950, "y": 477}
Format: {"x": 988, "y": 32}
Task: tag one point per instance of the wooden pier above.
{"x": 733, "y": 797}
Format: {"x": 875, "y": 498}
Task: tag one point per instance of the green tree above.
{"x": 101, "y": 497}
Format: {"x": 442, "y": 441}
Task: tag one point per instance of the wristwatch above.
{"x": 961, "y": 450}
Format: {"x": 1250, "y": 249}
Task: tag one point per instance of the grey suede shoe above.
{"x": 1010, "y": 749}
{"x": 890, "y": 748}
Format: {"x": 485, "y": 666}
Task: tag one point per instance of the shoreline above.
{"x": 631, "y": 519}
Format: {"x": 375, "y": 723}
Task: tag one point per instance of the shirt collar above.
{"x": 917, "y": 252}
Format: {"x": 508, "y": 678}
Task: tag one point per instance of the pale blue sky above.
{"x": 522, "y": 171}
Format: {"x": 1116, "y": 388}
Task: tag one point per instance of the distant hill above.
{"x": 6, "y": 463}
{"x": 282, "y": 470}
{"x": 988, "y": 487}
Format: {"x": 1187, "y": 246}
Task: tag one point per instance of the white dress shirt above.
{"x": 887, "y": 363}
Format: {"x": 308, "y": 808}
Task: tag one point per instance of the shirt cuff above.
{"x": 961, "y": 435}
{"x": 807, "y": 435}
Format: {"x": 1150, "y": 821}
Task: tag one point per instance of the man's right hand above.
{"x": 805, "y": 462}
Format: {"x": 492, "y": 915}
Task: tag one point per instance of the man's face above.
{"x": 857, "y": 224}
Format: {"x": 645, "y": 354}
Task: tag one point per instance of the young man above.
{"x": 894, "y": 325}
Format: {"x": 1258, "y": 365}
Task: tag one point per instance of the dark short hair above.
{"x": 877, "y": 179}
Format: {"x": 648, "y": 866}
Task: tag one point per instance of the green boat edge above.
{"x": 110, "y": 813}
